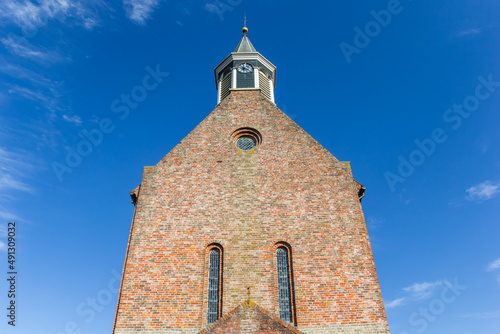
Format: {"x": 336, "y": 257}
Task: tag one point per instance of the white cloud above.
{"x": 13, "y": 168}
{"x": 483, "y": 315}
{"x": 26, "y": 93}
{"x": 5, "y": 217}
{"x": 75, "y": 119}
{"x": 483, "y": 191}
{"x": 373, "y": 222}
{"x": 12, "y": 163}
{"x": 8, "y": 182}
{"x": 31, "y": 15}
{"x": 395, "y": 303}
{"x": 3, "y": 234}
{"x": 415, "y": 292}
{"x": 35, "y": 88}
{"x": 495, "y": 265}
{"x": 19, "y": 72}
{"x": 139, "y": 11}
{"x": 90, "y": 22}
{"x": 469, "y": 32}
{"x": 422, "y": 290}
{"x": 48, "y": 101}
{"x": 19, "y": 46}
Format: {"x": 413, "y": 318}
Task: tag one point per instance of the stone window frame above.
{"x": 288, "y": 247}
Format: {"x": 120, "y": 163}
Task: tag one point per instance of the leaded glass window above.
{"x": 246, "y": 143}
{"x": 284, "y": 291}
{"x": 213, "y": 286}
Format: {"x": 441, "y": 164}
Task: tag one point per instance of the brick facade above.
{"x": 288, "y": 190}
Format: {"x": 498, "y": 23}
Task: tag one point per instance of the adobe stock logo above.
{"x": 93, "y": 305}
{"x": 420, "y": 320}
{"x": 92, "y": 138}
{"x": 427, "y": 146}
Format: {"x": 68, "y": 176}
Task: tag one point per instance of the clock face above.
{"x": 245, "y": 68}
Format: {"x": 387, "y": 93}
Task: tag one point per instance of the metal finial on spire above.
{"x": 245, "y": 29}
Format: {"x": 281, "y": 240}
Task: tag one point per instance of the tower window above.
{"x": 284, "y": 286}
{"x": 246, "y": 143}
{"x": 214, "y": 285}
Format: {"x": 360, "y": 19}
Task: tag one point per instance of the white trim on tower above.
{"x": 256, "y": 77}
{"x": 271, "y": 87}
{"x": 219, "y": 91}
{"x": 233, "y": 79}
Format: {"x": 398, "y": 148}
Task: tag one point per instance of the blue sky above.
{"x": 408, "y": 91}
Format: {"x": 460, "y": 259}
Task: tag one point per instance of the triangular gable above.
{"x": 249, "y": 318}
{"x": 251, "y": 110}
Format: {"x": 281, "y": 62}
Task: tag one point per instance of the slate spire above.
{"x": 245, "y": 45}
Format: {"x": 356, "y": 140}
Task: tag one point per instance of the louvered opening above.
{"x": 225, "y": 86}
{"x": 265, "y": 85}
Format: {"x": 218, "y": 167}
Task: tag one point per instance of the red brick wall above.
{"x": 289, "y": 189}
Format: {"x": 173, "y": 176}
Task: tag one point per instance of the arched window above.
{"x": 284, "y": 286}
{"x": 214, "y": 285}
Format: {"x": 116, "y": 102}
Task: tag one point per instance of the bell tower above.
{"x": 248, "y": 225}
{"x": 245, "y": 69}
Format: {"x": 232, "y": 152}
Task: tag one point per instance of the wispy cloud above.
{"x": 373, "y": 222}
{"x": 23, "y": 73}
{"x": 139, "y": 11}
{"x": 495, "y": 265}
{"x": 395, "y": 303}
{"x": 5, "y": 216}
{"x": 13, "y": 163}
{"x": 26, "y": 93}
{"x": 481, "y": 315}
{"x": 19, "y": 46}
{"x": 13, "y": 168}
{"x": 422, "y": 290}
{"x": 31, "y": 15}
{"x": 3, "y": 234}
{"x": 49, "y": 101}
{"x": 7, "y": 182}
{"x": 75, "y": 119}
{"x": 415, "y": 292}
{"x": 31, "y": 85}
{"x": 483, "y": 191}
{"x": 469, "y": 32}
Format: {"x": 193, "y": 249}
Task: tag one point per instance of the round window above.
{"x": 246, "y": 143}
{"x": 246, "y": 139}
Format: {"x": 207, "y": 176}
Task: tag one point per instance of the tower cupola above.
{"x": 245, "y": 69}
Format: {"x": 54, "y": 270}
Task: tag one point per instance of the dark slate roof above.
{"x": 245, "y": 45}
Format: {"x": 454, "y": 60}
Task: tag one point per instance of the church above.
{"x": 249, "y": 225}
